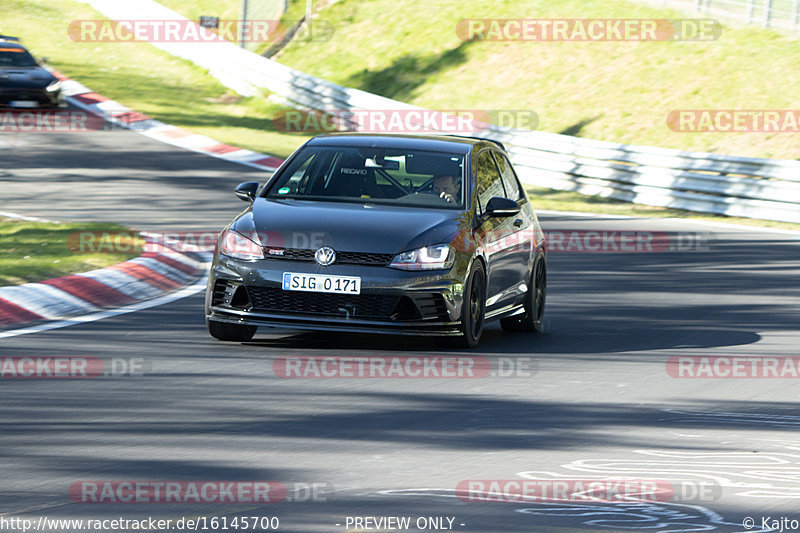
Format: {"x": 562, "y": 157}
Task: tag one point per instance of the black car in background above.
{"x": 24, "y": 84}
{"x": 410, "y": 234}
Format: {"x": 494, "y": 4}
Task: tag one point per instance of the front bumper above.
{"x": 391, "y": 301}
{"x": 41, "y": 98}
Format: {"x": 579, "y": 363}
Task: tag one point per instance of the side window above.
{"x": 510, "y": 181}
{"x": 488, "y": 180}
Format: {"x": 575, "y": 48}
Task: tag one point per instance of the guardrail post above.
{"x": 767, "y": 12}
{"x": 243, "y": 31}
{"x": 795, "y": 8}
{"x": 751, "y": 4}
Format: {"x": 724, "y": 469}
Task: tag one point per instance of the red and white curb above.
{"x": 117, "y": 114}
{"x": 143, "y": 278}
{"x": 147, "y": 276}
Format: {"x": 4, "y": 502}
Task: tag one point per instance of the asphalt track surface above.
{"x": 598, "y": 401}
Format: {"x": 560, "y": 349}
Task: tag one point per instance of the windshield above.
{"x": 374, "y": 175}
{"x": 15, "y": 57}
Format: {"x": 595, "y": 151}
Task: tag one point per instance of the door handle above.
{"x": 518, "y": 222}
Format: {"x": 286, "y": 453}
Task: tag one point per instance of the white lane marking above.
{"x": 587, "y": 215}
{"x": 24, "y": 217}
{"x": 183, "y": 293}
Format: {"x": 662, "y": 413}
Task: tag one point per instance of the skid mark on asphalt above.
{"x": 770, "y": 470}
{"x": 748, "y": 419}
{"x": 636, "y": 516}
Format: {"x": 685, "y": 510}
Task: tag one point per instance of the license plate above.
{"x": 23, "y": 104}
{"x": 321, "y": 283}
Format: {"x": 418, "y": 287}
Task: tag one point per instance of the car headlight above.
{"x": 238, "y": 246}
{"x": 54, "y": 87}
{"x": 437, "y": 257}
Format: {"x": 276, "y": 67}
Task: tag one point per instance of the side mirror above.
{"x": 501, "y": 207}
{"x": 246, "y": 191}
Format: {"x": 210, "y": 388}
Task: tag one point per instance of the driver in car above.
{"x": 447, "y": 188}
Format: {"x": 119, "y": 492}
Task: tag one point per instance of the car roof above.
{"x": 10, "y": 42}
{"x": 445, "y": 143}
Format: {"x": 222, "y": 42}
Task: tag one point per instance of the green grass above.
{"x": 148, "y": 80}
{"x": 224, "y": 9}
{"x": 35, "y": 251}
{"x": 227, "y": 10}
{"x": 615, "y": 91}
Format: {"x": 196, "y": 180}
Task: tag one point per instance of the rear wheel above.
{"x": 231, "y": 332}
{"x": 473, "y": 309}
{"x": 531, "y": 319}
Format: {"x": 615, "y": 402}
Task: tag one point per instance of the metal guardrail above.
{"x": 779, "y": 14}
{"x": 704, "y": 182}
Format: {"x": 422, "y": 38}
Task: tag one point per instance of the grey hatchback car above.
{"x": 405, "y": 234}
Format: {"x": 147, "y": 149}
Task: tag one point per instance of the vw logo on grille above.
{"x": 325, "y": 256}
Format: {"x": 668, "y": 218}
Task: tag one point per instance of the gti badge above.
{"x": 325, "y": 256}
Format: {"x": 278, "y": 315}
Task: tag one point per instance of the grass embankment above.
{"x": 35, "y": 251}
{"x": 619, "y": 91}
{"x": 614, "y": 91}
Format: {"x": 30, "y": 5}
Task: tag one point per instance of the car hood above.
{"x": 347, "y": 226}
{"x": 25, "y": 78}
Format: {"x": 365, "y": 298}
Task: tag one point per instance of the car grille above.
{"x": 364, "y": 306}
{"x": 342, "y": 258}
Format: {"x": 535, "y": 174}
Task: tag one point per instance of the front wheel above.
{"x": 531, "y": 319}
{"x": 473, "y": 309}
{"x": 225, "y": 331}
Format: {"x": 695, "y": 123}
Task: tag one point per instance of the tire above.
{"x": 531, "y": 319}
{"x": 473, "y": 310}
{"x": 231, "y": 332}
